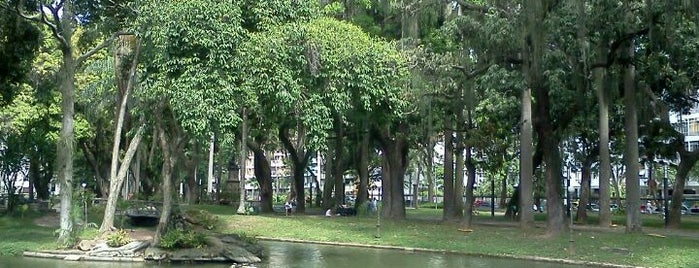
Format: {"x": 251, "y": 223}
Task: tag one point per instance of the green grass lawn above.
{"x": 18, "y": 234}
{"x": 422, "y": 230}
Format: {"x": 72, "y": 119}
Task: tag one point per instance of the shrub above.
{"x": 175, "y": 238}
{"x": 118, "y": 238}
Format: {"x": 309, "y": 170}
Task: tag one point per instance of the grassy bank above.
{"x": 18, "y": 234}
{"x": 421, "y": 231}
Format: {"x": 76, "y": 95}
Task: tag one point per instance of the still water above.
{"x": 282, "y": 254}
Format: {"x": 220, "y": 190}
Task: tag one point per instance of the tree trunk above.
{"x": 65, "y": 142}
{"x": 616, "y": 182}
{"x": 503, "y": 188}
{"x": 448, "y": 212}
{"x": 299, "y": 160}
{"x": 605, "y": 167}
{"x": 319, "y": 193}
{"x": 459, "y": 160}
{"x": 470, "y": 198}
{"x": 117, "y": 182}
{"x": 556, "y": 220}
{"x": 633, "y": 199}
{"x": 41, "y": 183}
{"x": 363, "y": 167}
{"x": 192, "y": 190}
{"x": 136, "y": 171}
{"x": 430, "y": 157}
{"x": 100, "y": 170}
{"x": 585, "y": 196}
{"x": 531, "y": 54}
{"x": 687, "y": 161}
{"x": 243, "y": 160}
{"x": 338, "y": 168}
{"x": 394, "y": 165}
{"x": 263, "y": 173}
{"x": 128, "y": 47}
{"x": 299, "y": 178}
{"x": 329, "y": 184}
{"x": 168, "y": 163}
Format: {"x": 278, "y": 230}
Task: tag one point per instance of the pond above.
{"x": 284, "y": 254}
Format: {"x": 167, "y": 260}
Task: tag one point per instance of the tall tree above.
{"x": 633, "y": 190}
{"x": 128, "y": 48}
{"x": 60, "y": 17}
{"x": 189, "y": 58}
{"x": 303, "y": 72}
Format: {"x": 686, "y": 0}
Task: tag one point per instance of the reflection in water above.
{"x": 291, "y": 255}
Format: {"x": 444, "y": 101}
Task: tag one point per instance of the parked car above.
{"x": 684, "y": 210}
{"x": 694, "y": 210}
{"x": 593, "y": 207}
{"x": 596, "y": 207}
{"x": 613, "y": 207}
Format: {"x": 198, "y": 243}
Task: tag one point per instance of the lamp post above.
{"x": 492, "y": 198}
{"x": 666, "y": 211}
{"x": 571, "y": 190}
{"x": 84, "y": 204}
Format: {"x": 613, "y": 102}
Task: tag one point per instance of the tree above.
{"x": 60, "y": 18}
{"x": 633, "y": 217}
{"x": 303, "y": 72}
{"x": 189, "y": 60}
{"x": 128, "y": 49}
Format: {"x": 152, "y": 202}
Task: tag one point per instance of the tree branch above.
{"x": 16, "y": 10}
{"x": 659, "y": 108}
{"x": 284, "y": 138}
{"x": 39, "y": 18}
{"x": 55, "y": 27}
{"x": 94, "y": 50}
{"x": 475, "y": 8}
{"x": 611, "y": 55}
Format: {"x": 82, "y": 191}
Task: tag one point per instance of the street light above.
{"x": 666, "y": 211}
{"x": 571, "y": 190}
{"x": 84, "y": 184}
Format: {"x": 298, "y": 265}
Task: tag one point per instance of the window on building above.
{"x": 692, "y": 127}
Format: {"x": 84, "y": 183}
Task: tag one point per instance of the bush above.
{"x": 118, "y": 238}
{"x": 175, "y": 238}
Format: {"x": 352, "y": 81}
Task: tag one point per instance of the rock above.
{"x": 73, "y": 258}
{"x": 253, "y": 247}
{"x": 155, "y": 254}
{"x": 238, "y": 265}
{"x": 232, "y": 250}
{"x": 87, "y": 245}
{"x": 132, "y": 249}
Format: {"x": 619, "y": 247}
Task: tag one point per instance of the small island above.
{"x": 191, "y": 238}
